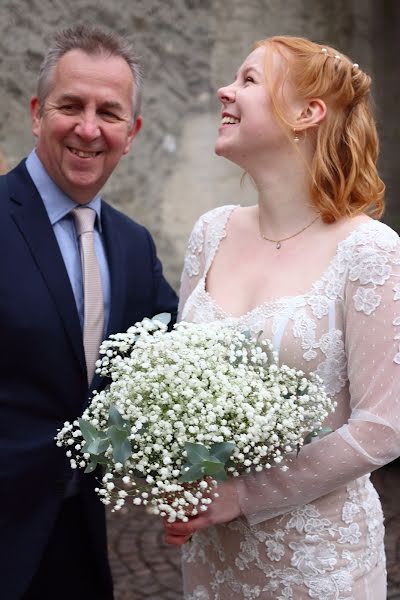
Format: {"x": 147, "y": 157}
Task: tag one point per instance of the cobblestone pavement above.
{"x": 145, "y": 568}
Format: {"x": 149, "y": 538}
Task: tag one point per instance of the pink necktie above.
{"x": 93, "y": 295}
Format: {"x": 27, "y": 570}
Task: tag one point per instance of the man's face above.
{"x": 85, "y": 125}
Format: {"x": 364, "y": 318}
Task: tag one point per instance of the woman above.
{"x": 312, "y": 268}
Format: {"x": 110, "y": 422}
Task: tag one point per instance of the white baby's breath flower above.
{"x": 199, "y": 383}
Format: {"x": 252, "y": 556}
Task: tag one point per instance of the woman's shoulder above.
{"x": 214, "y": 220}
{"x": 371, "y": 254}
{"x": 385, "y": 231}
{"x": 372, "y": 235}
{"x": 216, "y": 214}
{"x": 205, "y": 236}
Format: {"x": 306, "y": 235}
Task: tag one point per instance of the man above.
{"x": 54, "y": 312}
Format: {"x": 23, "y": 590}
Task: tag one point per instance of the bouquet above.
{"x": 187, "y": 408}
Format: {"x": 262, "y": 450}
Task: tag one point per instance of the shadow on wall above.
{"x": 3, "y": 164}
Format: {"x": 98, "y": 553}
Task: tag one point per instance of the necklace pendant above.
{"x": 278, "y": 245}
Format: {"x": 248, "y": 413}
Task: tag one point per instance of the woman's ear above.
{"x": 312, "y": 114}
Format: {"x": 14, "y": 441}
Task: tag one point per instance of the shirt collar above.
{"x": 56, "y": 202}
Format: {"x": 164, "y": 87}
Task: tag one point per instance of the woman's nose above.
{"x": 226, "y": 94}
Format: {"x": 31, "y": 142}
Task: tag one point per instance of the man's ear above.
{"x": 133, "y": 132}
{"x": 35, "y": 115}
{"x": 312, "y": 114}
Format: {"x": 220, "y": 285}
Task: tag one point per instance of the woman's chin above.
{"x": 218, "y": 148}
{"x": 222, "y": 149}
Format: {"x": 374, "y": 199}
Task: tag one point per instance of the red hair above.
{"x": 344, "y": 177}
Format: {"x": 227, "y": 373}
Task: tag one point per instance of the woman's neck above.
{"x": 284, "y": 202}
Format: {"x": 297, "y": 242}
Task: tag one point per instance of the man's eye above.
{"x": 109, "y": 115}
{"x": 69, "y": 107}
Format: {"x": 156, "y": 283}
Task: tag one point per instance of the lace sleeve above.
{"x": 371, "y": 437}
{"x": 204, "y": 241}
{"x": 194, "y": 264}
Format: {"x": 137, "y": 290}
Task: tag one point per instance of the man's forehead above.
{"x": 102, "y": 67}
{"x": 78, "y": 74}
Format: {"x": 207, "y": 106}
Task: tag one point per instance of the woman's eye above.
{"x": 249, "y": 79}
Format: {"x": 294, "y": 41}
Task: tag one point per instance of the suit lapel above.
{"x": 31, "y": 218}
{"x": 117, "y": 266}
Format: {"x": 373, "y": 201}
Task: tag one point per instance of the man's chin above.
{"x": 83, "y": 189}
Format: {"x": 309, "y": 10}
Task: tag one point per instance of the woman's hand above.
{"x": 222, "y": 509}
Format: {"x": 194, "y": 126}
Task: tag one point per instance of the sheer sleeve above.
{"x": 194, "y": 264}
{"x": 203, "y": 244}
{"x": 371, "y": 436}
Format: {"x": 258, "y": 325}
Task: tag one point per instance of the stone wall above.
{"x": 189, "y": 48}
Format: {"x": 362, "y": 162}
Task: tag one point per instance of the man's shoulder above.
{"x": 18, "y": 175}
{"x": 14, "y": 181}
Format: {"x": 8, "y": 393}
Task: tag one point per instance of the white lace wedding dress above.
{"x": 315, "y": 531}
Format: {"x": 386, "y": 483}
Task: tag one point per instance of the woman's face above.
{"x": 249, "y": 129}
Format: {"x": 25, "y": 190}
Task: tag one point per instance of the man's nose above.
{"x": 88, "y": 127}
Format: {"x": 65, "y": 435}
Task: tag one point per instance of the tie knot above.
{"x": 84, "y": 219}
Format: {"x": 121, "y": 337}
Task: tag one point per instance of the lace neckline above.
{"x": 280, "y": 300}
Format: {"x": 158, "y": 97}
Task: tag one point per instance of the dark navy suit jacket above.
{"x": 42, "y": 365}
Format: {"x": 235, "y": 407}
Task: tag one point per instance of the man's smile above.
{"x": 83, "y": 153}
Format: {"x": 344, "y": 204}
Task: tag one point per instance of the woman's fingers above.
{"x": 225, "y": 507}
{"x": 179, "y": 528}
{"x": 176, "y": 540}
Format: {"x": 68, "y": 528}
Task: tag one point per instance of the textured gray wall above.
{"x": 188, "y": 48}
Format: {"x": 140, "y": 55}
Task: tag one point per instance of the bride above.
{"x": 312, "y": 267}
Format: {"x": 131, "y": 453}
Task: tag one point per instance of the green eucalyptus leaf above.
{"x": 323, "y": 431}
{"x": 98, "y": 446}
{"x": 310, "y": 437}
{"x": 194, "y": 473}
{"x": 196, "y": 453}
{"x": 97, "y": 442}
{"x": 91, "y": 466}
{"x": 222, "y": 451}
{"x": 121, "y": 446}
{"x": 212, "y": 467}
{"x": 220, "y": 476}
{"x": 115, "y": 417}
{"x": 100, "y": 459}
{"x": 163, "y": 318}
{"x": 88, "y": 431}
{"x": 317, "y": 434}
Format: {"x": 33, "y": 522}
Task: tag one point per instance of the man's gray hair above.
{"x": 93, "y": 41}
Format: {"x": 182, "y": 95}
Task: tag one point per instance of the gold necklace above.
{"x": 279, "y": 242}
